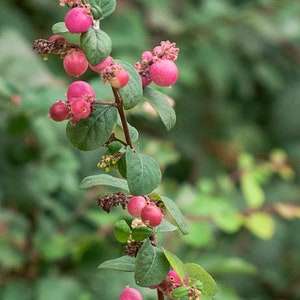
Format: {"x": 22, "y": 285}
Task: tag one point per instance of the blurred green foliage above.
{"x": 237, "y": 103}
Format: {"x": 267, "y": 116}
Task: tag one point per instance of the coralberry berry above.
{"x": 130, "y": 294}
{"x": 135, "y": 205}
{"x": 102, "y": 65}
{"x": 120, "y": 79}
{"x": 80, "y": 108}
{"x": 59, "y": 111}
{"x": 164, "y": 72}
{"x": 78, "y": 20}
{"x": 151, "y": 215}
{"x": 75, "y": 63}
{"x": 80, "y": 90}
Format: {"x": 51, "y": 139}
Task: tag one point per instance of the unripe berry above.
{"x": 102, "y": 65}
{"x": 120, "y": 79}
{"x": 164, "y": 72}
{"x": 135, "y": 205}
{"x": 78, "y": 20}
{"x": 80, "y": 90}
{"x": 59, "y": 111}
{"x": 80, "y": 108}
{"x": 151, "y": 215}
{"x": 130, "y": 294}
{"x": 75, "y": 63}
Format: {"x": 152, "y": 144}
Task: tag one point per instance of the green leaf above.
{"x": 252, "y": 190}
{"x": 96, "y": 45}
{"x": 151, "y": 266}
{"x": 198, "y": 273}
{"x": 165, "y": 226}
{"x": 176, "y": 264}
{"x": 61, "y": 29}
{"x": 134, "y": 134}
{"x": 124, "y": 263}
{"x": 143, "y": 173}
{"x": 107, "y": 6}
{"x": 159, "y": 102}
{"x": 93, "y": 132}
{"x": 176, "y": 214}
{"x": 122, "y": 231}
{"x": 103, "y": 179}
{"x": 131, "y": 93}
{"x": 260, "y": 224}
{"x": 141, "y": 233}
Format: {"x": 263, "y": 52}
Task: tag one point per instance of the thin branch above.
{"x": 119, "y": 105}
{"x": 160, "y": 295}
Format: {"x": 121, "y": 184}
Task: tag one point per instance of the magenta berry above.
{"x": 120, "y": 79}
{"x": 164, "y": 72}
{"x": 59, "y": 111}
{"x": 75, "y": 63}
{"x": 80, "y": 90}
{"x": 175, "y": 279}
{"x": 151, "y": 215}
{"x": 78, "y": 20}
{"x": 130, "y": 294}
{"x": 80, "y": 109}
{"x": 102, "y": 65}
{"x": 135, "y": 205}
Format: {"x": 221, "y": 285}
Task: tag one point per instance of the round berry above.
{"x": 120, "y": 79}
{"x": 78, "y": 20}
{"x": 164, "y": 72}
{"x": 80, "y": 90}
{"x": 80, "y": 108}
{"x": 75, "y": 63}
{"x": 102, "y": 65}
{"x": 175, "y": 279}
{"x": 59, "y": 111}
{"x": 130, "y": 294}
{"x": 151, "y": 215}
{"x": 135, "y": 205}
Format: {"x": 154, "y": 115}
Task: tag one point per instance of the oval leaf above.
{"x": 196, "y": 272}
{"x": 161, "y": 105}
{"x": 141, "y": 233}
{"x": 96, "y": 45}
{"x": 124, "y": 263}
{"x": 122, "y": 231}
{"x": 107, "y": 6}
{"x": 151, "y": 265}
{"x": 93, "y": 132}
{"x": 142, "y": 173}
{"x": 176, "y": 214}
{"x": 103, "y": 179}
{"x": 131, "y": 93}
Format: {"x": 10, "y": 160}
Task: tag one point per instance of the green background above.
{"x": 237, "y": 100}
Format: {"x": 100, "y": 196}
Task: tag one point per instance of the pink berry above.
{"x": 59, "y": 111}
{"x": 80, "y": 108}
{"x": 75, "y": 63}
{"x": 164, "y": 72}
{"x": 80, "y": 90}
{"x": 78, "y": 20}
{"x": 56, "y": 37}
{"x": 130, "y": 294}
{"x": 175, "y": 279}
{"x": 120, "y": 79}
{"x": 135, "y": 205}
{"x": 102, "y": 65}
{"x": 147, "y": 55}
{"x": 151, "y": 215}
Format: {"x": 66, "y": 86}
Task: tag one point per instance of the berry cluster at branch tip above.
{"x": 158, "y": 65}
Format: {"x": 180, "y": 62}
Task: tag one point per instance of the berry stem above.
{"x": 119, "y": 105}
{"x": 160, "y": 295}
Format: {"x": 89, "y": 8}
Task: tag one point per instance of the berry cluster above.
{"x": 80, "y": 97}
{"x": 158, "y": 65}
{"x": 150, "y": 214}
